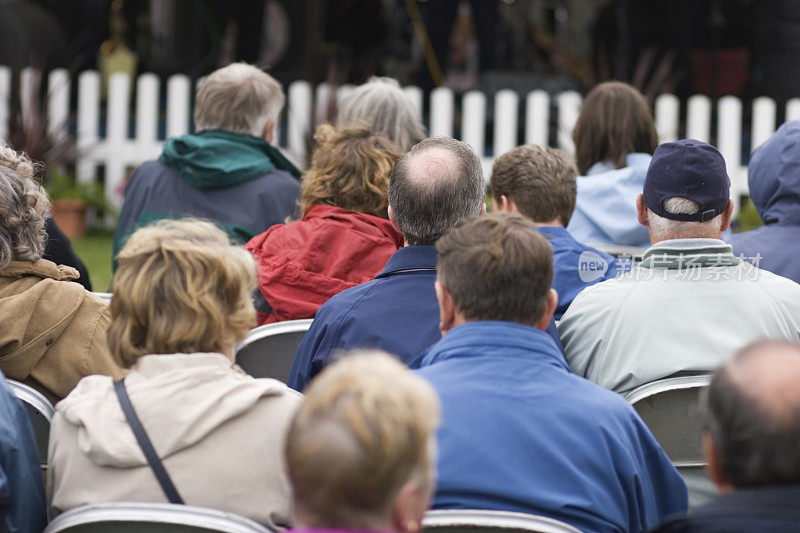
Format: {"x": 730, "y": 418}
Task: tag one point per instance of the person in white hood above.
{"x": 180, "y": 304}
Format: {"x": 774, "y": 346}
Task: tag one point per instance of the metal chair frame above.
{"x": 153, "y": 515}
{"x": 493, "y": 521}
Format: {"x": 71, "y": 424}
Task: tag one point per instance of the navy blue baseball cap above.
{"x": 689, "y": 169}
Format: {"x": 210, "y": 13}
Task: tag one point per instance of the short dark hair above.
{"x": 427, "y": 202}
{"x": 496, "y": 267}
{"x": 756, "y": 445}
{"x": 541, "y": 182}
{"x": 614, "y": 121}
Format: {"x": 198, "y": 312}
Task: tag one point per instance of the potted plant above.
{"x": 71, "y": 201}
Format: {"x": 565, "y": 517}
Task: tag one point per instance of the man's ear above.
{"x": 726, "y": 216}
{"x": 409, "y": 507}
{"x": 483, "y": 209}
{"x": 713, "y": 466}
{"x": 504, "y": 204}
{"x": 549, "y": 310}
{"x": 641, "y": 211}
{"x": 269, "y": 130}
{"x": 447, "y": 309}
{"x": 393, "y": 220}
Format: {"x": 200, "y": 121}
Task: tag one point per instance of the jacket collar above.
{"x": 775, "y": 500}
{"x": 411, "y": 258}
{"x": 355, "y": 219}
{"x": 676, "y": 254}
{"x": 554, "y": 232}
{"x": 41, "y": 268}
{"x": 509, "y": 338}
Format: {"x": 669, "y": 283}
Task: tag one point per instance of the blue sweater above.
{"x": 521, "y": 433}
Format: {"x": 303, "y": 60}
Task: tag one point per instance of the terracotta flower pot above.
{"x": 70, "y": 216}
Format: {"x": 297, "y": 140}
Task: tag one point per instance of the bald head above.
{"x": 432, "y": 187}
{"x": 753, "y": 415}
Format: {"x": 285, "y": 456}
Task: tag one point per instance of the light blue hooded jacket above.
{"x": 774, "y": 180}
{"x": 605, "y": 210}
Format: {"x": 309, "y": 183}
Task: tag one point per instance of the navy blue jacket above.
{"x": 576, "y": 266}
{"x": 156, "y": 191}
{"x": 763, "y": 510}
{"x": 521, "y": 433}
{"x": 774, "y": 180}
{"x": 396, "y": 312}
{"x": 22, "y": 504}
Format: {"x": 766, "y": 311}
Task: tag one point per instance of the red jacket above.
{"x": 302, "y": 264}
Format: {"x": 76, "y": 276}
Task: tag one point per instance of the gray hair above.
{"x": 432, "y": 187}
{"x": 755, "y": 431}
{"x": 666, "y": 228}
{"x": 383, "y": 106}
{"x": 239, "y": 98}
{"x": 24, "y": 209}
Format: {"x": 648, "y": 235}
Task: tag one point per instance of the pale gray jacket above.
{"x": 689, "y": 305}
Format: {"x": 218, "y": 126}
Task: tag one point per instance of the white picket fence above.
{"x": 117, "y": 151}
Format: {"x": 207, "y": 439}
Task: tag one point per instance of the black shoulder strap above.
{"x": 144, "y": 443}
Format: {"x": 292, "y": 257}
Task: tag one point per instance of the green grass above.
{"x": 94, "y": 249}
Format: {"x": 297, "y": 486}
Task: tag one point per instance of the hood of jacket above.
{"x": 774, "y": 176}
{"x": 217, "y": 159}
{"x": 36, "y": 307}
{"x": 179, "y": 398}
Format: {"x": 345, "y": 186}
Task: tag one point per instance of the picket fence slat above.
{"x": 105, "y": 139}
{"x": 537, "y": 118}
{"x": 473, "y": 125}
{"x": 5, "y": 101}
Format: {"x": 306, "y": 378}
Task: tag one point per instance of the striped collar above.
{"x": 677, "y": 254}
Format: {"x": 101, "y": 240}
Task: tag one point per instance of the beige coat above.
{"x": 218, "y": 431}
{"x": 53, "y": 331}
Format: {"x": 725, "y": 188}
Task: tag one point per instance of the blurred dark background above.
{"x": 715, "y": 47}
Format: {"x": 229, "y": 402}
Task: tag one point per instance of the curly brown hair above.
{"x": 24, "y": 208}
{"x": 349, "y": 169}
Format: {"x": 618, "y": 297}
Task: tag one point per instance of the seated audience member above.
{"x": 775, "y": 190}
{"x": 361, "y": 450}
{"x": 344, "y": 236}
{"x": 22, "y": 505}
{"x": 383, "y": 106}
{"x": 540, "y": 184}
{"x": 690, "y": 303}
{"x": 59, "y": 250}
{"x": 180, "y": 304}
{"x": 53, "y": 331}
{"x": 614, "y": 139}
{"x": 432, "y": 187}
{"x": 228, "y": 171}
{"x": 752, "y": 444}
{"x": 519, "y": 431}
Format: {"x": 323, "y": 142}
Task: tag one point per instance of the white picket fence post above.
{"x": 117, "y": 150}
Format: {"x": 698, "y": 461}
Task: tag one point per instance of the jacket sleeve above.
{"x": 98, "y": 356}
{"x": 135, "y": 193}
{"x": 312, "y": 354}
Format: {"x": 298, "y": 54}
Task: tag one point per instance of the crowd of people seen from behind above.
{"x": 465, "y": 352}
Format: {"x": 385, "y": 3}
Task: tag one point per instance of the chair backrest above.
{"x": 481, "y": 521}
{"x": 40, "y": 412}
{"x": 268, "y": 351}
{"x": 671, "y": 409}
{"x": 104, "y": 295}
{"x": 128, "y": 517}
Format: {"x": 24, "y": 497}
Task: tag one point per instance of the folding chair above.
{"x": 481, "y": 521}
{"x": 104, "y": 295}
{"x": 40, "y": 412}
{"x": 268, "y": 351}
{"x": 671, "y": 409}
{"x": 128, "y": 517}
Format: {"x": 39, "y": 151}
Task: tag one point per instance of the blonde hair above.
{"x": 180, "y": 287}
{"x": 24, "y": 208}
{"x": 364, "y": 431}
{"x": 385, "y": 108}
{"x": 239, "y": 98}
{"x": 349, "y": 169}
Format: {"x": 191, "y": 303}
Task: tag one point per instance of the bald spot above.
{"x": 433, "y": 165}
{"x": 769, "y": 373}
